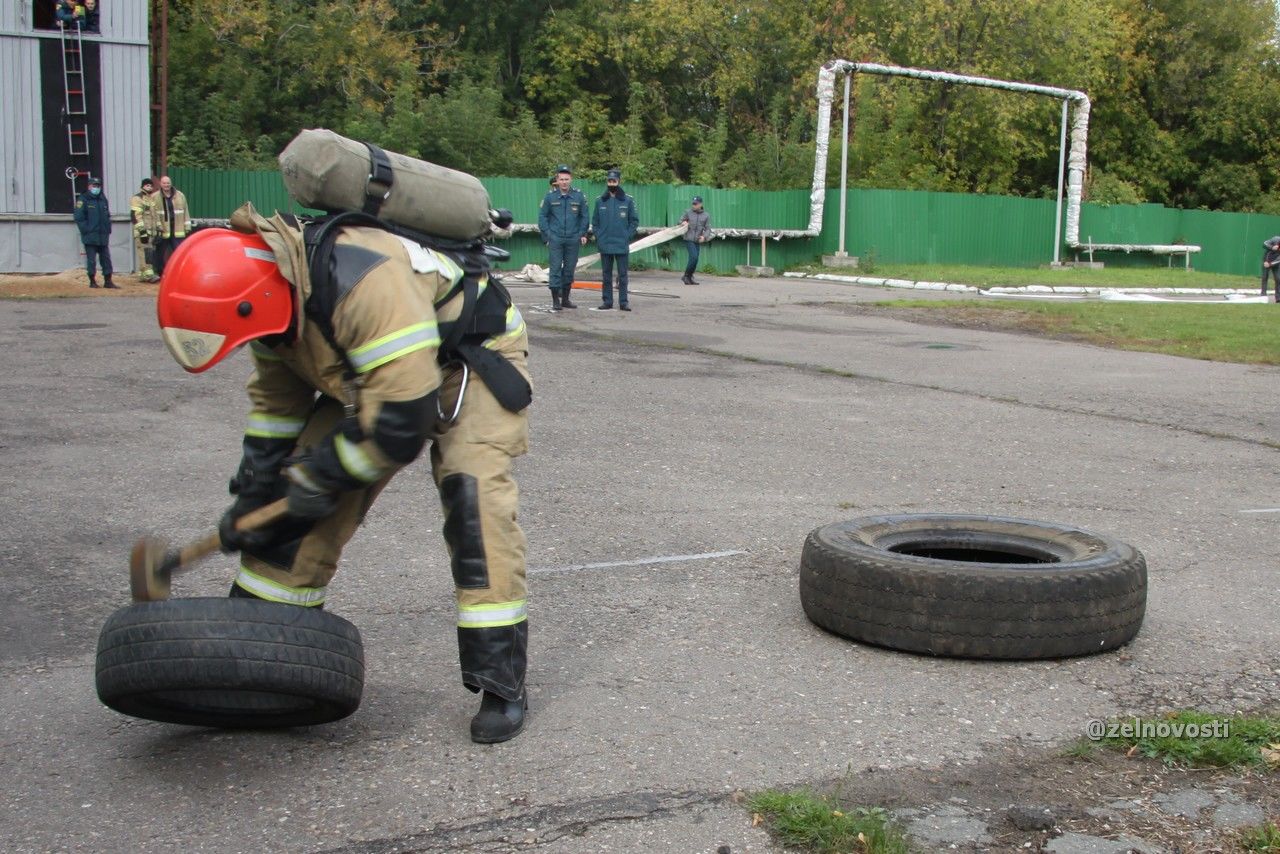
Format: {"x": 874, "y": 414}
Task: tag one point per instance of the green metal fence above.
{"x": 892, "y": 226}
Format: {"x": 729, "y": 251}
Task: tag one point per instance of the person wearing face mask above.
{"x": 93, "y": 217}
{"x": 614, "y": 221}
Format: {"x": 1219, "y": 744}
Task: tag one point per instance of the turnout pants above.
{"x": 471, "y": 464}
{"x": 142, "y": 259}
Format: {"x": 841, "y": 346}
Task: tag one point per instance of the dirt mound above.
{"x": 69, "y": 283}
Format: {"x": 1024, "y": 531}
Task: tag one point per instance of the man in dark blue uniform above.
{"x": 93, "y": 216}
{"x": 563, "y": 221}
{"x": 614, "y": 221}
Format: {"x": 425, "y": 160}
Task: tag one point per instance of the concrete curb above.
{"x": 1037, "y": 290}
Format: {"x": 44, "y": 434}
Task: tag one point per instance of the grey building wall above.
{"x": 126, "y": 121}
{"x": 30, "y": 239}
{"x": 21, "y": 146}
{"x": 50, "y": 243}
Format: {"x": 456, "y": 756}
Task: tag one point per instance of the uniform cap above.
{"x": 146, "y": 181}
{"x": 614, "y": 175}
{"x": 95, "y": 182}
{"x": 697, "y": 200}
{"x": 563, "y": 168}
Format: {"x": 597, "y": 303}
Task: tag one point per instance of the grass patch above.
{"x": 1248, "y": 334}
{"x": 1239, "y": 741}
{"x": 1265, "y": 838}
{"x": 1110, "y": 277}
{"x": 805, "y": 819}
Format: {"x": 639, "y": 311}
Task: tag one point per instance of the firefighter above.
{"x": 362, "y": 359}
{"x": 172, "y": 219}
{"x": 142, "y": 216}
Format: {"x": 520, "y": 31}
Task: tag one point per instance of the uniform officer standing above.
{"x": 614, "y": 221}
{"x": 93, "y": 217}
{"x": 563, "y": 221}
{"x": 355, "y": 373}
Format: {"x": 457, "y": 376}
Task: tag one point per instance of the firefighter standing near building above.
{"x": 171, "y": 218}
{"x": 563, "y": 221}
{"x": 350, "y": 384}
{"x": 142, "y": 216}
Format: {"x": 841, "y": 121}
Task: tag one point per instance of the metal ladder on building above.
{"x": 75, "y": 106}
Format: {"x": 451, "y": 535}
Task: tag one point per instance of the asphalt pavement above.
{"x": 681, "y": 452}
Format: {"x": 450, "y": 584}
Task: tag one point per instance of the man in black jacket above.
{"x": 93, "y": 216}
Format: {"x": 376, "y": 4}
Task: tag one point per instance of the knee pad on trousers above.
{"x": 460, "y": 495}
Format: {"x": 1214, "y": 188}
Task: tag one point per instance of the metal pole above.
{"x": 164, "y": 88}
{"x": 1062, "y": 164}
{"x": 844, "y": 164}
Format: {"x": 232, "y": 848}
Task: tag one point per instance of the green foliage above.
{"x": 869, "y": 262}
{"x": 722, "y": 94}
{"x": 1107, "y": 189}
{"x": 1242, "y": 747}
{"x": 1265, "y": 838}
{"x": 804, "y": 818}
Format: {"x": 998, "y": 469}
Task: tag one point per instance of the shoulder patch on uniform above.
{"x": 349, "y": 265}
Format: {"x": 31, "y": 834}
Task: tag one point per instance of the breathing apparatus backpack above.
{"x": 439, "y": 208}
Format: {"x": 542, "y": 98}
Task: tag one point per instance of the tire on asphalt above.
{"x": 230, "y": 662}
{"x": 973, "y": 586}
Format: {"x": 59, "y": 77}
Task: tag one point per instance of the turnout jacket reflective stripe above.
{"x": 386, "y": 323}
{"x": 175, "y": 205}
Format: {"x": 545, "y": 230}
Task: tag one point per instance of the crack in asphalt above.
{"x": 524, "y": 831}
{"x": 808, "y": 367}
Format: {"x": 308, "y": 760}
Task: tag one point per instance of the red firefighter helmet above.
{"x": 220, "y": 289}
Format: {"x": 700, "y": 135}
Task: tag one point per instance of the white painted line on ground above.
{"x": 644, "y": 561}
{"x": 1266, "y": 510}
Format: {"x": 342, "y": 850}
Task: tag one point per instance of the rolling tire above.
{"x": 230, "y": 662}
{"x": 973, "y": 586}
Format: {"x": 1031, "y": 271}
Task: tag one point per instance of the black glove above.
{"x": 502, "y": 218}
{"x": 253, "y": 488}
{"x": 310, "y": 494}
{"x": 237, "y": 541}
{"x": 144, "y": 239}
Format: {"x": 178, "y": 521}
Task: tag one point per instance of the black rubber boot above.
{"x": 564, "y": 300}
{"x": 93, "y": 283}
{"x": 555, "y": 299}
{"x": 107, "y": 283}
{"x": 498, "y": 719}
